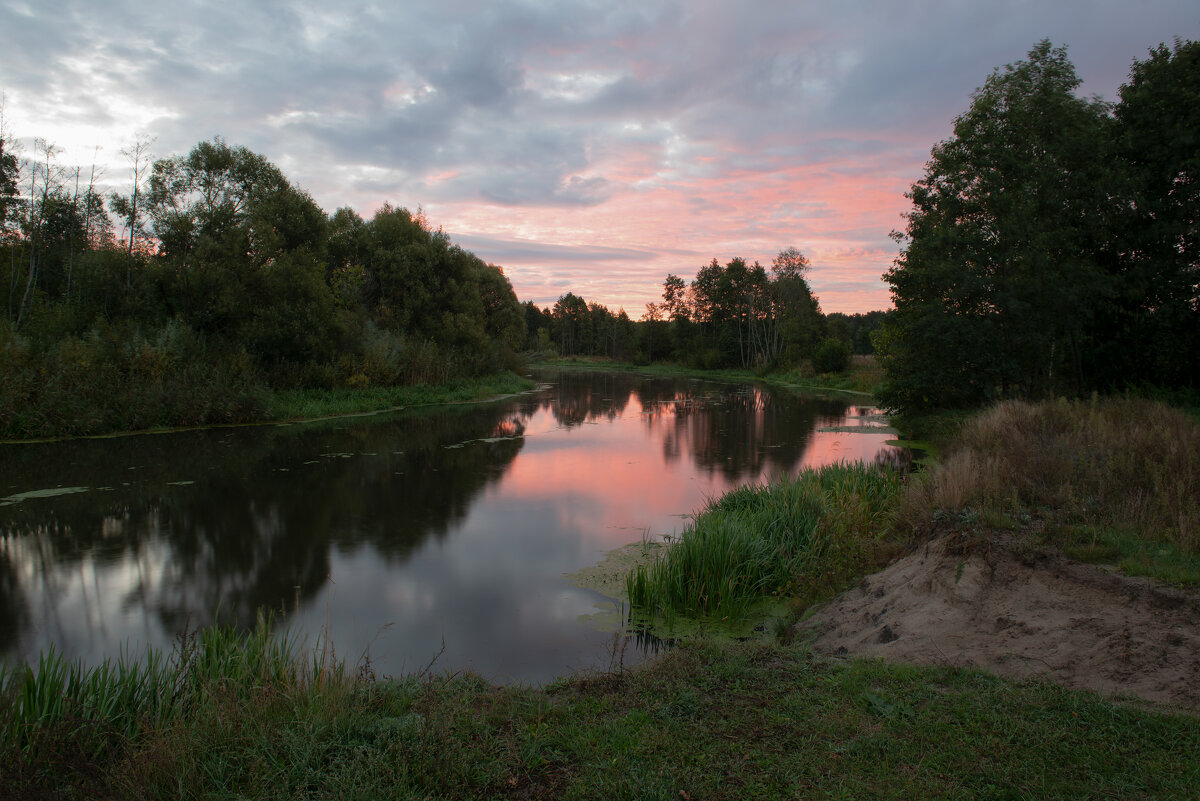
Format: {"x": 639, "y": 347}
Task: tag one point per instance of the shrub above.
{"x": 831, "y": 356}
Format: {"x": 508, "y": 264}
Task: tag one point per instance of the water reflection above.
{"x": 455, "y": 525}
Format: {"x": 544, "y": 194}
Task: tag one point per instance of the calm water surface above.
{"x": 397, "y": 535}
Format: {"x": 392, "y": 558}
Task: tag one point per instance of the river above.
{"x": 438, "y": 535}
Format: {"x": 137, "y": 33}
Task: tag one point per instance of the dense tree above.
{"x": 855, "y": 329}
{"x": 738, "y": 315}
{"x": 222, "y": 202}
{"x": 10, "y": 174}
{"x": 245, "y": 253}
{"x": 797, "y": 314}
{"x": 1003, "y": 263}
{"x": 1053, "y": 245}
{"x": 572, "y": 325}
{"x": 438, "y": 302}
{"x": 242, "y": 281}
{"x": 651, "y": 333}
{"x": 1153, "y": 330}
{"x": 831, "y": 355}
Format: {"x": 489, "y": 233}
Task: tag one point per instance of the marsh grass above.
{"x": 1122, "y": 474}
{"x": 61, "y": 717}
{"x": 798, "y": 536}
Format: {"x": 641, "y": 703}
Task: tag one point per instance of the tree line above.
{"x": 211, "y": 281}
{"x": 1053, "y": 245}
{"x": 736, "y": 315}
{"x": 226, "y": 281}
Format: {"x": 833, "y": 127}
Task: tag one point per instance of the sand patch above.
{"x": 1021, "y": 611}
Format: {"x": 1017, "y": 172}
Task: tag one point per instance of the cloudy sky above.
{"x": 590, "y": 147}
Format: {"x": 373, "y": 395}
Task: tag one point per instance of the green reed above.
{"x": 120, "y": 699}
{"x": 797, "y": 536}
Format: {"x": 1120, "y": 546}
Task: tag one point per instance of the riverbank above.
{"x": 704, "y": 720}
{"x": 313, "y": 404}
{"x": 1023, "y": 494}
{"x": 862, "y": 378}
{"x": 307, "y": 405}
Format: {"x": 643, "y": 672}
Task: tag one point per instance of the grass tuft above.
{"x": 802, "y": 536}
{"x": 59, "y": 718}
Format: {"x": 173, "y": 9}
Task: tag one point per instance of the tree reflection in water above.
{"x": 416, "y": 519}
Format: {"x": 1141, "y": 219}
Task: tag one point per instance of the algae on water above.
{"x": 43, "y": 493}
{"x": 607, "y": 577}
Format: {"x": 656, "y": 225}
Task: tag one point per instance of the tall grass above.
{"x": 61, "y": 717}
{"x": 794, "y": 537}
{"x": 1117, "y": 464}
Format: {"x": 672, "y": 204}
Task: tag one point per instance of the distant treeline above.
{"x": 1053, "y": 247}
{"x": 226, "y": 282}
{"x": 737, "y": 315}
{"x": 221, "y": 282}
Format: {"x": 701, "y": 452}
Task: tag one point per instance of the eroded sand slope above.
{"x": 1021, "y": 611}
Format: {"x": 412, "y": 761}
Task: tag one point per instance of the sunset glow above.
{"x": 583, "y": 148}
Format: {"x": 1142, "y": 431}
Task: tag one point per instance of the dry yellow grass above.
{"x": 1122, "y": 462}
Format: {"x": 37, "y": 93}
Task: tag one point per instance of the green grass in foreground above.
{"x": 307, "y": 404}
{"x": 803, "y": 536}
{"x": 1132, "y": 553}
{"x": 705, "y": 721}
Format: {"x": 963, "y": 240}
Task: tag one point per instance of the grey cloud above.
{"x": 509, "y": 251}
{"x": 527, "y": 101}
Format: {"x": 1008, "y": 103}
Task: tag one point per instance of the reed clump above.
{"x": 798, "y": 536}
{"x": 60, "y": 719}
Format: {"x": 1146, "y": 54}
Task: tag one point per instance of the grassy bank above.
{"x": 798, "y": 538}
{"x": 248, "y": 718}
{"x": 307, "y": 404}
{"x": 1112, "y": 480}
{"x": 863, "y": 377}
{"x": 1115, "y": 481}
{"x": 82, "y": 417}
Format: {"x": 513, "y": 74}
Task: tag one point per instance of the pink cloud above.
{"x": 838, "y": 211}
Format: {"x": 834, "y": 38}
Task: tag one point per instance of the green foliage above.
{"x": 61, "y": 722}
{"x": 804, "y": 727}
{"x": 996, "y": 284}
{"x": 270, "y": 293}
{"x": 10, "y": 171}
{"x": 307, "y": 404}
{"x": 116, "y": 378}
{"x": 857, "y": 329}
{"x": 1050, "y": 248}
{"x": 831, "y": 356}
{"x": 738, "y": 315}
{"x": 1151, "y": 334}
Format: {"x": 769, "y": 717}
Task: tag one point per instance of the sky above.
{"x": 586, "y": 147}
